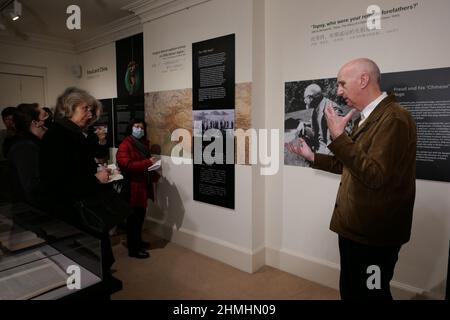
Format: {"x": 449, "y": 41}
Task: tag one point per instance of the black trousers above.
{"x": 67, "y": 213}
{"x": 360, "y": 278}
{"x": 135, "y": 222}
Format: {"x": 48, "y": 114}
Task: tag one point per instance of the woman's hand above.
{"x": 154, "y": 159}
{"x": 102, "y": 176}
{"x": 101, "y": 134}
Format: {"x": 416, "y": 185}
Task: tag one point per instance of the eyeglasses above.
{"x": 87, "y": 108}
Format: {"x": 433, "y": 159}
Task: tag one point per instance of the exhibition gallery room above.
{"x": 231, "y": 150}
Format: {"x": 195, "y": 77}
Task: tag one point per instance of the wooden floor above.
{"x": 173, "y": 272}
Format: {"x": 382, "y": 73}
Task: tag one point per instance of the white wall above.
{"x": 301, "y": 200}
{"x": 286, "y": 215}
{"x": 273, "y": 45}
{"x": 56, "y": 65}
{"x": 209, "y": 20}
{"x": 219, "y": 227}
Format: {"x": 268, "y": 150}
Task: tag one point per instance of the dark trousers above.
{"x": 71, "y": 216}
{"x": 356, "y": 281}
{"x": 135, "y": 222}
{"x": 107, "y": 254}
{"x": 105, "y": 246}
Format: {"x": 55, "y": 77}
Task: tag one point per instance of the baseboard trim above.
{"x": 309, "y": 268}
{"x": 228, "y": 253}
{"x": 327, "y": 274}
{"x": 322, "y": 272}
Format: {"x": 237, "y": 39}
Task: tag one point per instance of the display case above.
{"x": 42, "y": 257}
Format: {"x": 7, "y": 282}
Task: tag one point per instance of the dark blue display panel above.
{"x": 213, "y": 76}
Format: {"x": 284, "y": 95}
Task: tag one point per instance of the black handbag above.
{"x": 102, "y": 211}
{"x": 123, "y": 187}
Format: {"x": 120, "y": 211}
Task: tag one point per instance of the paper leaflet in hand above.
{"x": 155, "y": 166}
{"x": 115, "y": 175}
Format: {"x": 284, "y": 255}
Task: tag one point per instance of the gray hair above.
{"x": 73, "y": 97}
{"x": 313, "y": 90}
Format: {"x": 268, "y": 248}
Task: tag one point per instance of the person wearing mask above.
{"x": 49, "y": 120}
{"x": 134, "y": 159}
{"x": 23, "y": 154}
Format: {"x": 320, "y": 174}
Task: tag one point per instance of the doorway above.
{"x": 19, "y": 86}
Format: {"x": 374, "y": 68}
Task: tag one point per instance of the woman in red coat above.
{"x": 134, "y": 158}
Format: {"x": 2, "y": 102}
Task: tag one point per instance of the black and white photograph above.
{"x": 214, "y": 178}
{"x": 305, "y": 103}
{"x": 205, "y": 124}
{"x": 213, "y": 119}
{"x": 224, "y": 158}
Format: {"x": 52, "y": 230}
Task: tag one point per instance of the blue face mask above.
{"x": 138, "y": 133}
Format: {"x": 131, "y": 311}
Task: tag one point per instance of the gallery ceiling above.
{"x": 48, "y": 18}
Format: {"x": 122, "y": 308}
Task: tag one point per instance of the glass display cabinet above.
{"x": 44, "y": 258}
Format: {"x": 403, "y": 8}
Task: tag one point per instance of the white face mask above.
{"x": 138, "y": 133}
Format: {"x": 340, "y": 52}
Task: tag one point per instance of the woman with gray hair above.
{"x": 67, "y": 163}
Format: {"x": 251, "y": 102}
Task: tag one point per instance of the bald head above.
{"x": 365, "y": 66}
{"x": 359, "y": 82}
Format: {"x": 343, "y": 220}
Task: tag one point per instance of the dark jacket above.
{"x": 134, "y": 165}
{"x": 7, "y": 143}
{"x": 68, "y": 166}
{"x": 375, "y": 200}
{"x": 23, "y": 157}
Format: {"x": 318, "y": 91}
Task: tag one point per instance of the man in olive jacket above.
{"x": 374, "y": 205}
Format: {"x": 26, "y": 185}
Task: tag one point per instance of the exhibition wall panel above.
{"x": 176, "y": 33}
{"x": 168, "y": 82}
{"x": 311, "y": 40}
{"x": 99, "y": 71}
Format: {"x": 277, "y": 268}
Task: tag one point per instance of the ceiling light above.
{"x": 17, "y": 13}
{"x": 14, "y": 9}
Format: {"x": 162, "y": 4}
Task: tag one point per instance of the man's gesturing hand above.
{"x": 301, "y": 148}
{"x": 336, "y": 124}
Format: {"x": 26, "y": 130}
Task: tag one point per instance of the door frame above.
{"x": 26, "y": 70}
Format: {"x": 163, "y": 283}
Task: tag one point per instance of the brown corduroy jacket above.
{"x": 377, "y": 161}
